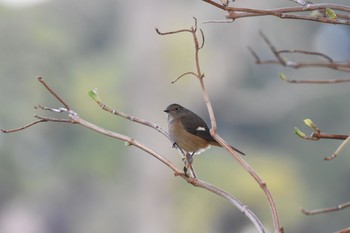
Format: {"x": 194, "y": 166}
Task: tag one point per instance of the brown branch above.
{"x": 340, "y": 147}
{"x": 41, "y": 120}
{"x": 41, "y": 80}
{"x": 184, "y": 74}
{"x": 74, "y": 118}
{"x": 308, "y": 53}
{"x": 279, "y": 59}
{"x": 216, "y": 4}
{"x": 295, "y": 13}
{"x": 317, "y": 135}
{"x": 213, "y": 130}
{"x": 146, "y": 123}
{"x": 22, "y": 127}
{"x": 194, "y": 181}
{"x": 346, "y": 230}
{"x": 298, "y": 13}
{"x": 331, "y": 81}
{"x": 325, "y": 210}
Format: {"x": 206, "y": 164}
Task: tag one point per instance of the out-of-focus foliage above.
{"x": 63, "y": 178}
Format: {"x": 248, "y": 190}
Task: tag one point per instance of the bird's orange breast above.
{"x": 186, "y": 140}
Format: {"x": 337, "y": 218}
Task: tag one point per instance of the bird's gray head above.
{"x": 175, "y": 111}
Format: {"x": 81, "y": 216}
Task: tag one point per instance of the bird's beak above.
{"x": 166, "y": 110}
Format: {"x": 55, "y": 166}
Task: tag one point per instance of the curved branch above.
{"x": 279, "y": 59}
{"x": 23, "y": 127}
{"x": 214, "y": 134}
{"x": 74, "y": 118}
{"x": 296, "y": 13}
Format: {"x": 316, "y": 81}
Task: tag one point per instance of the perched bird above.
{"x": 189, "y": 131}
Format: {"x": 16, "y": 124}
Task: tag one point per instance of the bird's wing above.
{"x": 197, "y": 126}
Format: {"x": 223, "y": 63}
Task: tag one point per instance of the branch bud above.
{"x": 309, "y": 123}
{"x": 93, "y": 94}
{"x": 331, "y": 14}
{"x": 299, "y": 133}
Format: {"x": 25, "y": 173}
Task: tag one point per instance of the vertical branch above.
{"x": 221, "y": 141}
{"x": 200, "y": 75}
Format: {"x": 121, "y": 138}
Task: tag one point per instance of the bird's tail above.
{"x": 215, "y": 143}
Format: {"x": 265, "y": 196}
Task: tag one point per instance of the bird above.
{"x": 189, "y": 131}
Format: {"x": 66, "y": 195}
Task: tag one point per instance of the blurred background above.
{"x": 60, "y": 178}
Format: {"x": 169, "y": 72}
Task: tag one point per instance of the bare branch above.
{"x": 330, "y": 81}
{"x": 329, "y": 63}
{"x": 245, "y": 165}
{"x": 243, "y": 208}
{"x": 74, "y": 118}
{"x": 184, "y": 74}
{"x": 317, "y": 135}
{"x": 325, "y": 210}
{"x": 308, "y": 53}
{"x": 41, "y": 120}
{"x": 296, "y": 13}
{"x": 41, "y": 80}
{"x": 23, "y": 127}
{"x": 306, "y": 11}
{"x": 341, "y": 146}
{"x": 203, "y": 39}
{"x": 222, "y": 7}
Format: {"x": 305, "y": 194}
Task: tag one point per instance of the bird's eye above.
{"x": 176, "y": 108}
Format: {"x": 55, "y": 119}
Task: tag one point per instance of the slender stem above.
{"x": 320, "y": 135}
{"x": 41, "y": 80}
{"x": 23, "y": 127}
{"x": 325, "y": 210}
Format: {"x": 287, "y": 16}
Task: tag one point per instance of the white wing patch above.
{"x": 200, "y": 128}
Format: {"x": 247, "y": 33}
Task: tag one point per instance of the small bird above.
{"x": 189, "y": 131}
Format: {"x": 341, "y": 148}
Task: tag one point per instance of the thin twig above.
{"x": 41, "y": 80}
{"x": 291, "y": 13}
{"x": 317, "y": 135}
{"x": 308, "y": 53}
{"x": 329, "y": 63}
{"x": 329, "y": 81}
{"x": 133, "y": 119}
{"x": 337, "y": 151}
{"x": 325, "y": 210}
{"x": 184, "y": 74}
{"x": 23, "y": 127}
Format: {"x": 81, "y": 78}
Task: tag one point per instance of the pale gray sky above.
{"x": 21, "y": 2}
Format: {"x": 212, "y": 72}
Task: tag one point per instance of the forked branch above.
{"x": 317, "y": 135}
{"x": 213, "y": 131}
{"x": 74, "y": 118}
{"x": 327, "y": 62}
{"x": 322, "y": 12}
